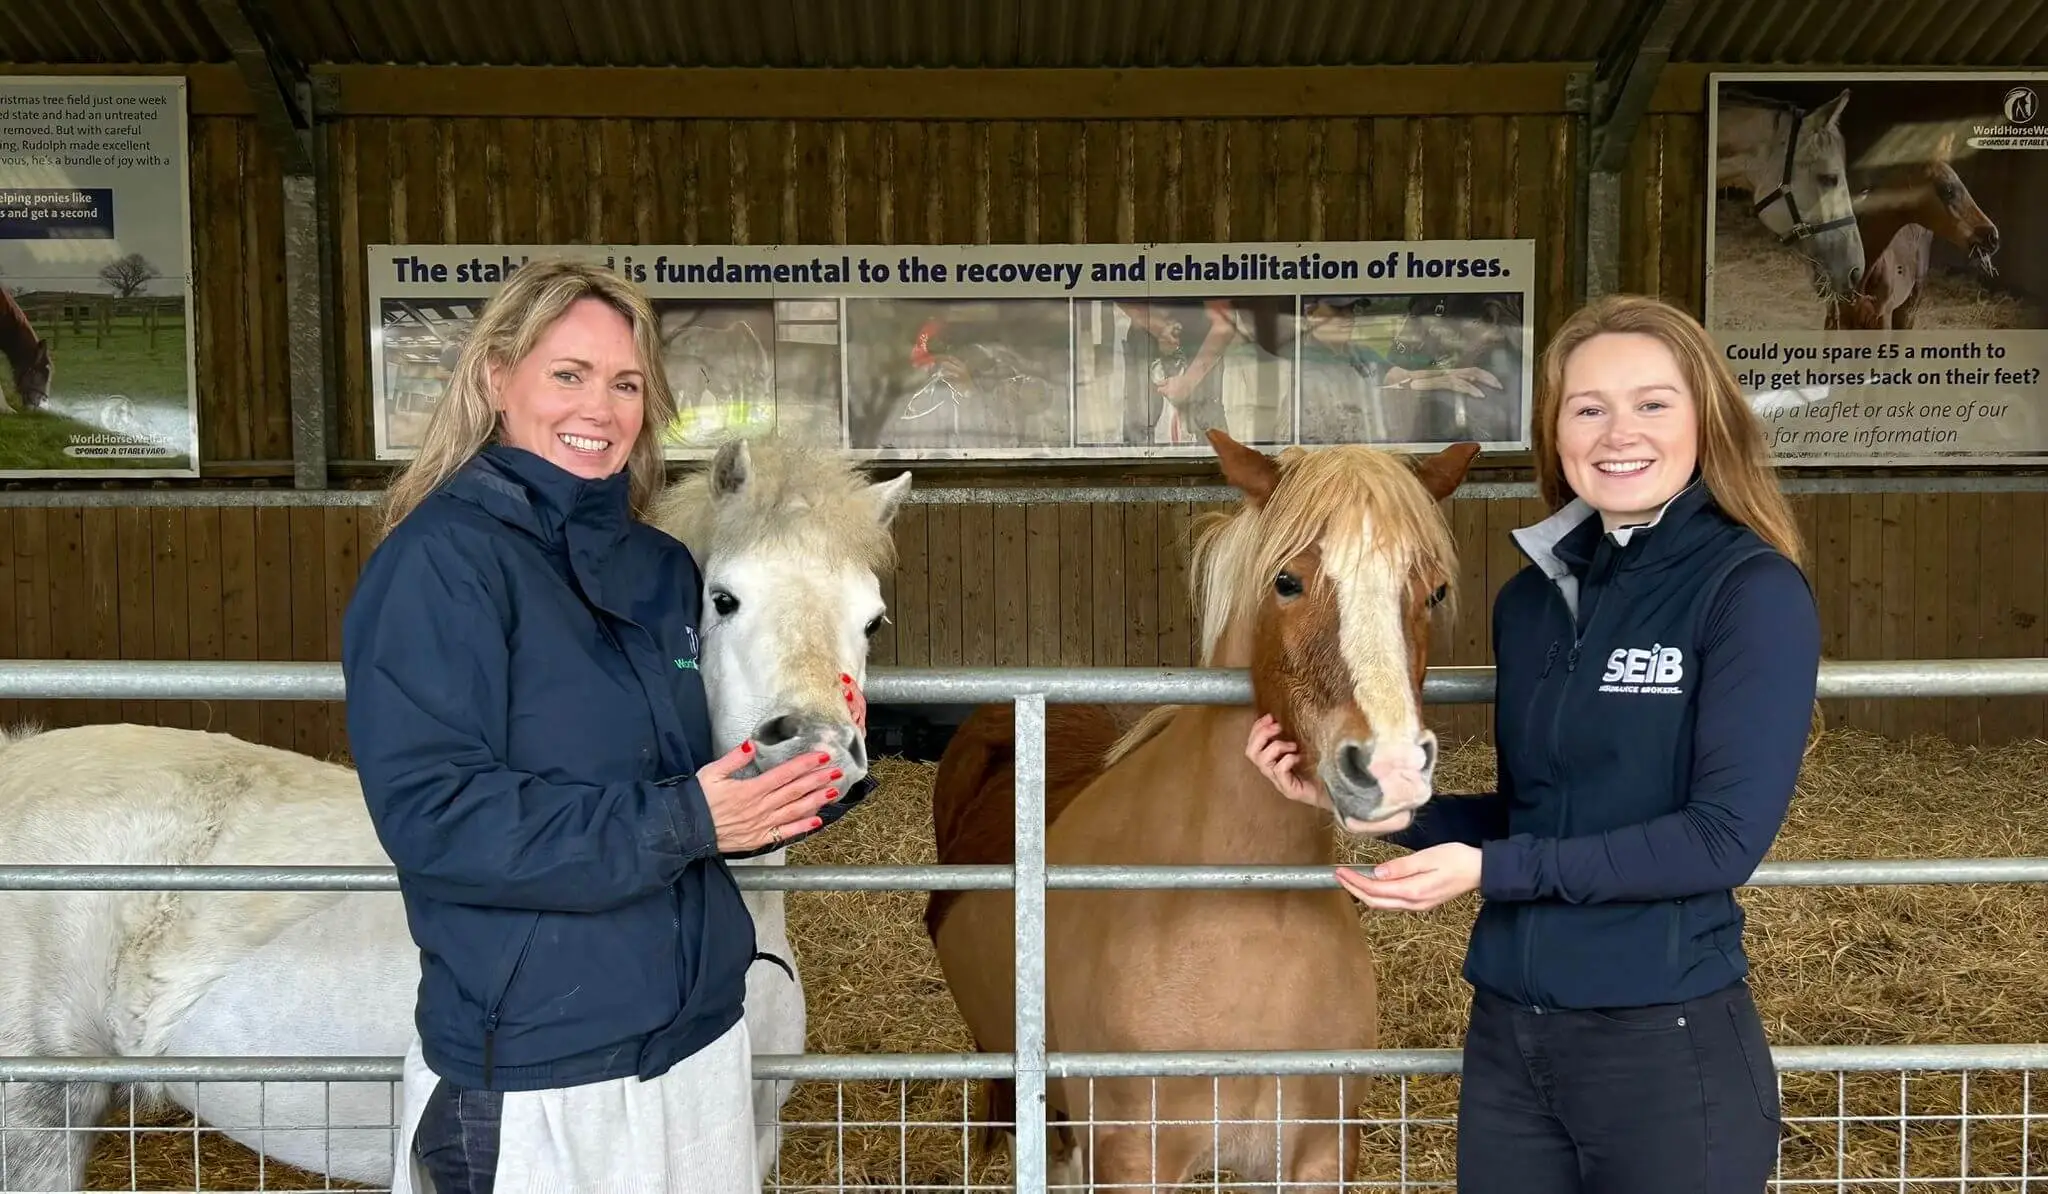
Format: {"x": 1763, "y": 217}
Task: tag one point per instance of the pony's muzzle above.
{"x": 1370, "y": 781}
{"x": 786, "y": 735}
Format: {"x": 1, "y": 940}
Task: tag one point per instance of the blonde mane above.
{"x": 1333, "y": 495}
{"x": 783, "y": 479}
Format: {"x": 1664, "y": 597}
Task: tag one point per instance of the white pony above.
{"x": 790, "y": 541}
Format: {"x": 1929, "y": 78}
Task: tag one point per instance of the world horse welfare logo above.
{"x": 688, "y": 660}
{"x": 2021, "y": 107}
{"x": 121, "y": 435}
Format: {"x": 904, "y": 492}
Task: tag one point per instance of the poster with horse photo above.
{"x": 1877, "y": 262}
{"x": 96, "y": 332}
{"x": 1025, "y": 352}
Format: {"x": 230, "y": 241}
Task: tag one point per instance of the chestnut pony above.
{"x": 1322, "y": 583}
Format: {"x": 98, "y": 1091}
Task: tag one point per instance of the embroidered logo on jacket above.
{"x": 688, "y": 662}
{"x": 1658, "y": 670}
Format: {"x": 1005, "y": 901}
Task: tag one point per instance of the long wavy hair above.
{"x": 465, "y": 421}
{"x": 1734, "y": 457}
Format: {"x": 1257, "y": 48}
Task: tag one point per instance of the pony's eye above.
{"x": 724, "y": 602}
{"x": 1442, "y": 591}
{"x": 1287, "y": 585}
{"x": 874, "y": 625}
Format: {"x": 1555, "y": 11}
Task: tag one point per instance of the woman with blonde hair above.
{"x": 541, "y": 773}
{"x": 1656, "y": 665}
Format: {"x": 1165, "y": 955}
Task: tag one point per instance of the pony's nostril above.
{"x": 1355, "y": 765}
{"x": 1428, "y": 753}
{"x": 776, "y": 731}
{"x": 858, "y": 751}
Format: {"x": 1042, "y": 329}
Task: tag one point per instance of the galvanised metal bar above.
{"x": 856, "y": 1067}
{"x": 1853, "y": 872}
{"x": 204, "y": 495}
{"x": 1029, "y": 1063}
{"x": 206, "y": 680}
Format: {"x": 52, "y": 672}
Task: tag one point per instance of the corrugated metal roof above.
{"x": 90, "y": 31}
{"x": 942, "y": 33}
{"x": 1027, "y": 33}
{"x": 1937, "y": 33}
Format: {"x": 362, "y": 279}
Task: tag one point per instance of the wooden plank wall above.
{"x": 1898, "y": 576}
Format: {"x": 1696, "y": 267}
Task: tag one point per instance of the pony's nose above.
{"x": 1855, "y": 277}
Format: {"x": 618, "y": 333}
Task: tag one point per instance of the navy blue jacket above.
{"x": 526, "y": 716}
{"x": 1654, "y": 691}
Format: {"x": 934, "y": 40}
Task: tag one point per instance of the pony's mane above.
{"x": 798, "y": 498}
{"x": 1329, "y": 493}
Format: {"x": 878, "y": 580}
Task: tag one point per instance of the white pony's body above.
{"x": 288, "y": 974}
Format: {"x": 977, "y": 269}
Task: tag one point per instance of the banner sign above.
{"x": 913, "y": 352}
{"x": 1877, "y": 262}
{"x": 97, "y": 373}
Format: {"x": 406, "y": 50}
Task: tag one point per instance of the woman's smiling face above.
{"x": 576, "y": 399}
{"x": 1627, "y": 428}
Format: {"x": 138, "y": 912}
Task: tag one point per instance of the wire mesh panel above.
{"x": 233, "y": 1142}
{"x": 1980, "y": 1129}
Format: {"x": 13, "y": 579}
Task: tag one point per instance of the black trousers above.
{"x": 1677, "y": 1098}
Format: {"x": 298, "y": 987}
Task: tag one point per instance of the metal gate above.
{"x": 1030, "y": 689}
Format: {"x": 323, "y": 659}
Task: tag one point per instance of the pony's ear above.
{"x": 1442, "y": 473}
{"x": 1250, "y": 470}
{"x": 729, "y": 468}
{"x": 886, "y": 496}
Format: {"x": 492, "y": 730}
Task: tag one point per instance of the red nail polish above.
{"x": 824, "y": 758}
{"x": 831, "y": 794}
{"x": 817, "y": 822}
{"x": 746, "y": 748}
{"x": 845, "y": 679}
{"x": 836, "y": 773}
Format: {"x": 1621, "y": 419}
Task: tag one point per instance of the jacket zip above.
{"x": 1556, "y": 750}
{"x": 491, "y": 1019}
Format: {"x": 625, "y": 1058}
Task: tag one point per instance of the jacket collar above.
{"x": 1563, "y": 544}
{"x": 545, "y": 500}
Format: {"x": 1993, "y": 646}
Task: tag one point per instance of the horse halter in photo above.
{"x": 1800, "y": 229}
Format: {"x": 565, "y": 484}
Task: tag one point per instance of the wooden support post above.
{"x": 283, "y": 99}
{"x": 1619, "y": 95}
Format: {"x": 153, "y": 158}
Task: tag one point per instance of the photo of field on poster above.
{"x": 96, "y": 338}
{"x": 1886, "y": 300}
{"x": 1413, "y": 368}
{"x": 934, "y": 377}
{"x": 1160, "y": 372}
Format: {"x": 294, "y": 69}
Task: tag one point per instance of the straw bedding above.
{"x": 1898, "y": 965}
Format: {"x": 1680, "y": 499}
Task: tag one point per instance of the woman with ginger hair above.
{"x": 1656, "y": 662}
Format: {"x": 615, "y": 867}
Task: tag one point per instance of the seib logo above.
{"x": 1659, "y": 669}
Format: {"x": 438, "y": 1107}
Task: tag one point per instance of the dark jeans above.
{"x": 1677, "y": 1098}
{"x": 457, "y": 1138}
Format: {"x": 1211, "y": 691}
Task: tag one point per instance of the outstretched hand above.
{"x": 1416, "y": 882}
